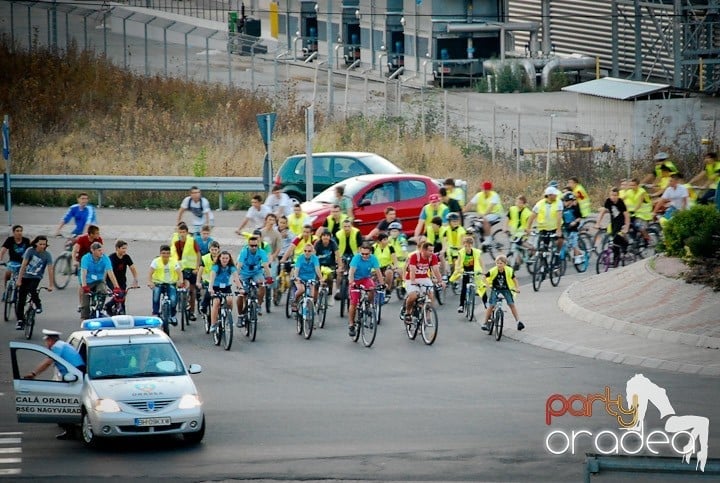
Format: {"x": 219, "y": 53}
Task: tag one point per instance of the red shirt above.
{"x": 422, "y": 265}
{"x": 84, "y": 244}
{"x": 180, "y": 246}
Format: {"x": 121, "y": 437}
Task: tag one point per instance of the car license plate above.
{"x": 152, "y": 421}
{"x": 446, "y": 70}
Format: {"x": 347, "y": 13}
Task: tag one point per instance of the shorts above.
{"x": 492, "y": 218}
{"x": 257, "y": 278}
{"x": 572, "y": 239}
{"x": 189, "y": 275}
{"x": 227, "y": 290}
{"x": 366, "y": 283}
{"x": 505, "y": 292}
{"x": 413, "y": 287}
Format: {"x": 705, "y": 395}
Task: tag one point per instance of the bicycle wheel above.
{"x": 217, "y": 335}
{"x": 585, "y": 254}
{"x": 470, "y": 304}
{"x": 586, "y": 240}
{"x": 279, "y": 290}
{"x": 63, "y": 271}
{"x": 412, "y": 328}
{"x": 499, "y": 320}
{"x": 604, "y": 261}
{"x": 288, "y": 301}
{"x": 308, "y": 317}
{"x": 206, "y": 318}
{"x": 165, "y": 316}
{"x": 439, "y": 294}
{"x": 252, "y": 320}
{"x": 500, "y": 242}
{"x": 29, "y": 321}
{"x": 429, "y": 325}
{"x": 9, "y": 299}
{"x": 556, "y": 270}
{"x": 539, "y": 272}
{"x": 322, "y": 307}
{"x": 344, "y": 297}
{"x": 378, "y": 309}
{"x": 182, "y": 303}
{"x": 268, "y": 296}
{"x": 227, "y": 332}
{"x": 400, "y": 289}
{"x": 368, "y": 326}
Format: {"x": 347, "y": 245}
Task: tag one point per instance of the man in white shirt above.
{"x": 255, "y": 218}
{"x": 199, "y": 207}
{"x": 279, "y": 202}
{"x": 674, "y": 198}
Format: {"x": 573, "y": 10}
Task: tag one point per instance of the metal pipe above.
{"x": 492, "y": 27}
{"x": 545, "y": 14}
{"x": 579, "y": 63}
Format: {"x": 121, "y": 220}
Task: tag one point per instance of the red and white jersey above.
{"x": 422, "y": 265}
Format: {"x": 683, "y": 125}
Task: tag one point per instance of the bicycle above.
{"x": 30, "y": 312}
{"x": 165, "y": 308}
{"x": 497, "y": 318}
{"x": 97, "y": 303}
{"x": 283, "y": 283}
{"x": 322, "y": 304}
{"x": 117, "y": 307}
{"x": 495, "y": 243}
{"x": 251, "y": 310}
{"x": 344, "y": 286}
{"x": 470, "y": 295}
{"x": 63, "y": 265}
{"x": 547, "y": 262}
{"x": 424, "y": 317}
{"x": 183, "y": 307}
{"x": 606, "y": 259}
{"x": 223, "y": 333}
{"x": 11, "y": 289}
{"x": 366, "y": 318}
{"x": 520, "y": 254}
{"x": 398, "y": 284}
{"x": 305, "y": 315}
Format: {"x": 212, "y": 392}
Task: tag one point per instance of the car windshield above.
{"x": 379, "y": 165}
{"x": 352, "y": 186}
{"x": 133, "y": 360}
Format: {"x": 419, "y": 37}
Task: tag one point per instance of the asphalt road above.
{"x": 465, "y": 409}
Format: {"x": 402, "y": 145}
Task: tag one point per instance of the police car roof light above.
{"x": 121, "y": 322}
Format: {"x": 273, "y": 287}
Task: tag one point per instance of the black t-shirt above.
{"x": 120, "y": 266}
{"x": 326, "y": 253}
{"x": 500, "y": 282}
{"x": 16, "y": 250}
{"x": 617, "y": 217}
{"x": 454, "y": 207}
{"x": 384, "y": 225}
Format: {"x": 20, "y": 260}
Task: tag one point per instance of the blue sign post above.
{"x": 6, "y": 157}
{"x": 266, "y": 124}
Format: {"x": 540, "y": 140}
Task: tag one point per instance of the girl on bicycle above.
{"x": 223, "y": 274}
{"x": 35, "y": 260}
{"x": 501, "y": 279}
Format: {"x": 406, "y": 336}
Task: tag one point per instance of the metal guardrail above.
{"x": 598, "y": 463}
{"x": 102, "y": 183}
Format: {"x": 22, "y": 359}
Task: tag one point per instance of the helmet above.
{"x": 551, "y": 191}
{"x": 553, "y": 183}
{"x": 568, "y": 197}
{"x": 661, "y": 156}
{"x": 395, "y": 225}
{"x": 453, "y": 216}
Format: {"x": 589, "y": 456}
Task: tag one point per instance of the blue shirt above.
{"x": 203, "y": 244}
{"x": 306, "y": 267}
{"x": 364, "y": 268}
{"x": 223, "y": 275}
{"x": 67, "y": 352}
{"x": 252, "y": 263}
{"x": 37, "y": 261}
{"x": 96, "y": 269}
{"x": 81, "y": 216}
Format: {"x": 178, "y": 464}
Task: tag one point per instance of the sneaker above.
{"x": 173, "y": 320}
{"x": 192, "y": 317}
{"x": 486, "y": 326}
{"x": 213, "y": 328}
{"x": 408, "y": 319}
{"x": 337, "y": 295}
{"x": 240, "y": 322}
{"x": 520, "y": 326}
{"x": 20, "y": 325}
{"x": 579, "y": 259}
{"x": 79, "y": 309}
{"x": 351, "y": 331}
{"x": 259, "y": 312}
{"x": 38, "y": 309}
{"x": 461, "y": 309}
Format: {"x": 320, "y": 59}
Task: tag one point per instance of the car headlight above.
{"x": 189, "y": 401}
{"x": 107, "y": 406}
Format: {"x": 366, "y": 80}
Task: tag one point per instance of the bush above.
{"x": 695, "y": 229}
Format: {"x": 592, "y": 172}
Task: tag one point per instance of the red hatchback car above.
{"x": 371, "y": 194}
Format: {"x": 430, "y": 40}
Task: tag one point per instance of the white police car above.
{"x": 136, "y": 383}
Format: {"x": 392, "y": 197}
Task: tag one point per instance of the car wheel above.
{"x": 86, "y": 430}
{"x": 295, "y": 197}
{"x": 196, "y": 436}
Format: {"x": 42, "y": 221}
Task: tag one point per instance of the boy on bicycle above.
{"x": 501, "y": 280}
{"x": 307, "y": 268}
{"x": 362, "y": 266}
{"x": 95, "y": 267}
{"x": 252, "y": 263}
{"x": 468, "y": 260}
{"x": 165, "y": 276}
{"x": 187, "y": 251}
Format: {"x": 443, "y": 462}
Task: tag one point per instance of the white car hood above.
{"x": 170, "y": 387}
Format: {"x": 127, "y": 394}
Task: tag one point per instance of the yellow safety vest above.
{"x": 669, "y": 164}
{"x": 543, "y": 223}
{"x": 400, "y": 251}
{"x": 633, "y": 197}
{"x": 454, "y": 237}
{"x": 517, "y": 220}
{"x": 477, "y": 268}
{"x": 431, "y": 234}
{"x": 207, "y": 262}
{"x": 508, "y": 277}
{"x": 296, "y": 223}
{"x": 458, "y": 194}
{"x": 483, "y": 202}
{"x": 342, "y": 241}
{"x": 583, "y": 198}
{"x": 189, "y": 257}
{"x": 383, "y": 255}
{"x": 300, "y": 246}
{"x": 331, "y": 222}
{"x": 165, "y": 272}
{"x": 712, "y": 176}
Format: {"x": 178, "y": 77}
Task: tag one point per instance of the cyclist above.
{"x": 298, "y": 243}
{"x": 501, "y": 279}
{"x": 223, "y": 274}
{"x": 468, "y": 260}
{"x": 165, "y": 276}
{"x": 333, "y": 223}
{"x": 95, "y": 267}
{"x": 297, "y": 220}
{"x": 204, "y": 240}
{"x": 451, "y": 237}
{"x": 453, "y": 191}
{"x": 433, "y": 235}
{"x": 619, "y": 222}
{"x": 286, "y": 241}
{"x": 486, "y": 203}
{"x": 419, "y": 266}
{"x": 581, "y": 195}
{"x": 279, "y": 202}
{"x": 35, "y": 260}
{"x": 571, "y": 224}
{"x": 453, "y": 205}
{"x": 15, "y": 246}
{"x": 255, "y": 217}
{"x": 199, "y": 207}
{"x": 82, "y": 213}
{"x": 711, "y": 177}
{"x": 121, "y": 261}
{"x": 362, "y": 267}
{"x": 548, "y": 213}
{"x": 518, "y": 216}
{"x": 252, "y": 262}
{"x": 639, "y": 205}
{"x": 383, "y": 226}
{"x": 385, "y": 254}
{"x": 187, "y": 251}
{"x": 80, "y": 248}
{"x": 398, "y": 240}
{"x": 674, "y": 198}
{"x": 307, "y": 268}
{"x": 206, "y": 263}
{"x": 349, "y": 242}
{"x": 660, "y": 159}
{"x": 435, "y": 208}
{"x": 327, "y": 252}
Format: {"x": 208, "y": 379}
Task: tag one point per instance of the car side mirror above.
{"x": 365, "y": 202}
{"x": 70, "y": 377}
{"x": 195, "y": 369}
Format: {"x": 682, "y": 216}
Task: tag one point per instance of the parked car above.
{"x": 328, "y": 169}
{"x": 372, "y": 193}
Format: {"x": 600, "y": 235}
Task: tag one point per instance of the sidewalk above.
{"x": 638, "y": 315}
